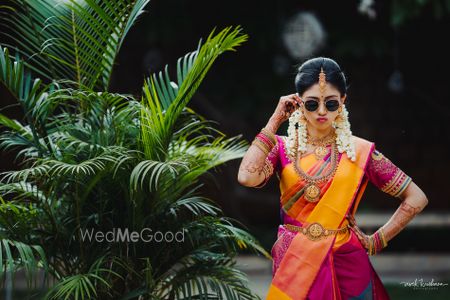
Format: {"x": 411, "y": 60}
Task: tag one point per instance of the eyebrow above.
{"x": 316, "y": 98}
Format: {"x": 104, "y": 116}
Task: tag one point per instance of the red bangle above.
{"x": 265, "y": 140}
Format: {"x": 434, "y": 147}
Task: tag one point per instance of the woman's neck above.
{"x": 319, "y": 133}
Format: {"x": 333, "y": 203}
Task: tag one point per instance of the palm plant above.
{"x": 93, "y": 159}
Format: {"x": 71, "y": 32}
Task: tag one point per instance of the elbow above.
{"x": 243, "y": 180}
{"x": 425, "y": 200}
{"x": 247, "y": 181}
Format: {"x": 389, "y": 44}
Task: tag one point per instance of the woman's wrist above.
{"x": 273, "y": 124}
{"x": 377, "y": 242}
{"x": 265, "y": 140}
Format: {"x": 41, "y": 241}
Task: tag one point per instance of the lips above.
{"x": 321, "y": 119}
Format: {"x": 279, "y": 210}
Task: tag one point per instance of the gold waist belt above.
{"x": 315, "y": 231}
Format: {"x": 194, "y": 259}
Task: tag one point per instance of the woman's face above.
{"x": 321, "y": 118}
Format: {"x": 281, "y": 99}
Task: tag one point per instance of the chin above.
{"x": 323, "y": 125}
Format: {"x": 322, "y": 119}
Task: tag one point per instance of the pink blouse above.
{"x": 380, "y": 171}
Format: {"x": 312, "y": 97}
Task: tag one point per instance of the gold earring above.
{"x": 302, "y": 117}
{"x": 340, "y": 109}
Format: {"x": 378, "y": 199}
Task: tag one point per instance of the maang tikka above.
{"x": 322, "y": 82}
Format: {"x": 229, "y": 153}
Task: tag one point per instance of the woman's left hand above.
{"x": 362, "y": 237}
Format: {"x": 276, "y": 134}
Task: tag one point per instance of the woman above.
{"x": 323, "y": 170}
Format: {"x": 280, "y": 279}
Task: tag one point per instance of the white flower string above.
{"x": 344, "y": 136}
{"x": 296, "y": 118}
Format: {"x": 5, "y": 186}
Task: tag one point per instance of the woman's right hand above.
{"x": 286, "y": 106}
{"x": 362, "y": 237}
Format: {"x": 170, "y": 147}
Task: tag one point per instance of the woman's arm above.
{"x": 413, "y": 202}
{"x": 251, "y": 169}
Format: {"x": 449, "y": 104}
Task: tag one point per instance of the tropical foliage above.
{"x": 92, "y": 159}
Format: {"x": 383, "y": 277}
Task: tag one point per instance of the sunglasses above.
{"x": 313, "y": 105}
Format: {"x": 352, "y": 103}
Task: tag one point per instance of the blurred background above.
{"x": 395, "y": 56}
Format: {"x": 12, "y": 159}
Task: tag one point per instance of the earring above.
{"x": 302, "y": 116}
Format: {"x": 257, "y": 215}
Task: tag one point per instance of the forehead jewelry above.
{"x": 322, "y": 82}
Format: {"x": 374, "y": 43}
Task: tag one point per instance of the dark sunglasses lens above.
{"x": 311, "y": 105}
{"x": 332, "y": 105}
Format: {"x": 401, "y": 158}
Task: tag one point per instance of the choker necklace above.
{"x": 312, "y": 189}
{"x": 321, "y": 150}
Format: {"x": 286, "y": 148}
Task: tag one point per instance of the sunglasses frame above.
{"x": 325, "y": 102}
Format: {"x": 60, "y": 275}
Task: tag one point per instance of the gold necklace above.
{"x": 312, "y": 189}
{"x": 321, "y": 150}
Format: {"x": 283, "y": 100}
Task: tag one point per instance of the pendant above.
{"x": 312, "y": 193}
{"x": 320, "y": 152}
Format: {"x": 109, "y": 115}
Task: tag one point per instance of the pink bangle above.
{"x": 264, "y": 139}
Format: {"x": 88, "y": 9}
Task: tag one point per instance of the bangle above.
{"x": 265, "y": 139}
{"x": 269, "y": 135}
{"x": 261, "y": 145}
{"x": 383, "y": 238}
{"x": 377, "y": 242}
{"x": 376, "y": 238}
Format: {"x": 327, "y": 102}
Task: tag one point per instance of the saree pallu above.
{"x": 334, "y": 266}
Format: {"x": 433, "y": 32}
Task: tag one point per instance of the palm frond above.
{"x": 77, "y": 40}
{"x": 23, "y": 190}
{"x": 225, "y": 233}
{"x": 150, "y": 171}
{"x": 84, "y": 286}
{"x": 16, "y": 254}
{"x": 167, "y": 100}
{"x": 34, "y": 171}
{"x": 217, "y": 278}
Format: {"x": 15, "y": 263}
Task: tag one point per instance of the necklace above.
{"x": 312, "y": 189}
{"x": 321, "y": 150}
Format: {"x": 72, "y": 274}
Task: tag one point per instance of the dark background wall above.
{"x": 242, "y": 89}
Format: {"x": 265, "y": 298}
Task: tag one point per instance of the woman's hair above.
{"x": 308, "y": 74}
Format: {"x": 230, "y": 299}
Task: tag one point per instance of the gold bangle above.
{"x": 268, "y": 147}
{"x": 370, "y": 252}
{"x": 269, "y": 135}
{"x": 263, "y": 138}
{"x": 261, "y": 145}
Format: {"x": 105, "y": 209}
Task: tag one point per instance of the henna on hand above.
{"x": 255, "y": 168}
{"x": 362, "y": 237}
{"x": 402, "y": 216}
{"x": 255, "y": 165}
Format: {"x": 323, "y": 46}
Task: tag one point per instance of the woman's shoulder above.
{"x": 362, "y": 140}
